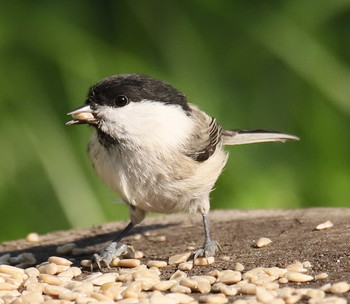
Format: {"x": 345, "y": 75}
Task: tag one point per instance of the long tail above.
{"x": 241, "y": 137}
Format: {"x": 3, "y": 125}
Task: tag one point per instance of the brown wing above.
{"x": 205, "y": 138}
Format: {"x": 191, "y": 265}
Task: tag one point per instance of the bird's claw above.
{"x": 105, "y": 258}
{"x": 207, "y": 250}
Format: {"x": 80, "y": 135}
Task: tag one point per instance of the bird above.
{"x": 158, "y": 151}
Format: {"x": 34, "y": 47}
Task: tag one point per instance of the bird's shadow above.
{"x": 93, "y": 243}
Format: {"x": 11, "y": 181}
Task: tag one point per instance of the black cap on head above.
{"x": 135, "y": 87}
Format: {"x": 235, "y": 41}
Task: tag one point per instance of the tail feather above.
{"x": 241, "y": 137}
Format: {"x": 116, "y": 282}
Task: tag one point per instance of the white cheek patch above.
{"x": 149, "y": 123}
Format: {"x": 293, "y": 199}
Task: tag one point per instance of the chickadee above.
{"x": 159, "y": 152}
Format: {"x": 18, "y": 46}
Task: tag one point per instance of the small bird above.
{"x": 159, "y": 152}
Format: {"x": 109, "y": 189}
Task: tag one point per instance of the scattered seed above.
{"x": 203, "y": 286}
{"x": 86, "y": 288}
{"x": 307, "y": 264}
{"x": 225, "y": 289}
{"x": 32, "y": 297}
{"x": 214, "y": 299}
{"x": 33, "y": 237}
{"x": 181, "y": 298}
{"x": 178, "y": 275}
{"x": 340, "y": 287}
{"x": 102, "y": 298}
{"x": 129, "y": 301}
{"x": 298, "y": 277}
{"x": 263, "y": 295}
{"x": 52, "y": 290}
{"x": 191, "y": 248}
{"x": 180, "y": 289}
{"x": 326, "y": 287}
{"x": 275, "y": 271}
{"x": 103, "y": 278}
{"x": 135, "y": 237}
{"x": 321, "y": 276}
{"x": 179, "y": 258}
{"x": 156, "y": 238}
{"x": 248, "y": 289}
{"x": 160, "y": 299}
{"x": 262, "y": 242}
{"x": 157, "y": 264}
{"x": 271, "y": 286}
{"x": 204, "y": 261}
{"x": 328, "y": 300}
{"x": 185, "y": 266}
{"x": 210, "y": 279}
{"x": 59, "y": 261}
{"x": 7, "y": 286}
{"x": 132, "y": 291}
{"x": 283, "y": 281}
{"x": 85, "y": 263}
{"x": 32, "y": 272}
{"x": 277, "y": 301}
{"x": 50, "y": 279}
{"x": 164, "y": 285}
{"x": 138, "y": 255}
{"x": 48, "y": 268}
{"x": 315, "y": 293}
{"x": 239, "y": 267}
{"x": 325, "y": 225}
{"x": 225, "y": 258}
{"x": 130, "y": 263}
{"x": 114, "y": 262}
{"x": 190, "y": 283}
{"x": 229, "y": 277}
{"x": 296, "y": 267}
{"x": 214, "y": 273}
{"x": 56, "y": 282}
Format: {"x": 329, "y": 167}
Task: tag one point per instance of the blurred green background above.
{"x": 280, "y": 65}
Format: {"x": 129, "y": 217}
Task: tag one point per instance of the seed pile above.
{"x": 57, "y": 281}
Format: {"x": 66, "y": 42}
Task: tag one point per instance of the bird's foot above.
{"x": 207, "y": 250}
{"x": 105, "y": 258}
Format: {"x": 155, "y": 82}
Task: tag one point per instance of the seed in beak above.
{"x": 83, "y": 116}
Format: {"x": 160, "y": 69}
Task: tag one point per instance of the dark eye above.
{"x": 121, "y": 101}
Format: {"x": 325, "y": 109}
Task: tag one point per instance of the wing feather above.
{"x": 205, "y": 137}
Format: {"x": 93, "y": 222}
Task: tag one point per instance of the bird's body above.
{"x": 160, "y": 153}
{"x": 154, "y": 172}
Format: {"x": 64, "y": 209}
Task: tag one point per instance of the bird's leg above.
{"x": 113, "y": 250}
{"x": 209, "y": 248}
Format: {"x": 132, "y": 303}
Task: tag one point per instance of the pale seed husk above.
{"x": 186, "y": 266}
{"x": 298, "y": 277}
{"x": 239, "y": 267}
{"x": 326, "y": 225}
{"x": 214, "y": 299}
{"x": 321, "y": 276}
{"x": 33, "y": 237}
{"x": 164, "y": 285}
{"x": 59, "y": 261}
{"x": 130, "y": 263}
{"x": 340, "y": 287}
{"x": 262, "y": 242}
{"x": 204, "y": 262}
{"x": 157, "y": 264}
{"x": 179, "y": 258}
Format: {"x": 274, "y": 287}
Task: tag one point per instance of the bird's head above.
{"x": 134, "y": 107}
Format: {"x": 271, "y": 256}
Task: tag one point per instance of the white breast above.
{"x": 149, "y": 169}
